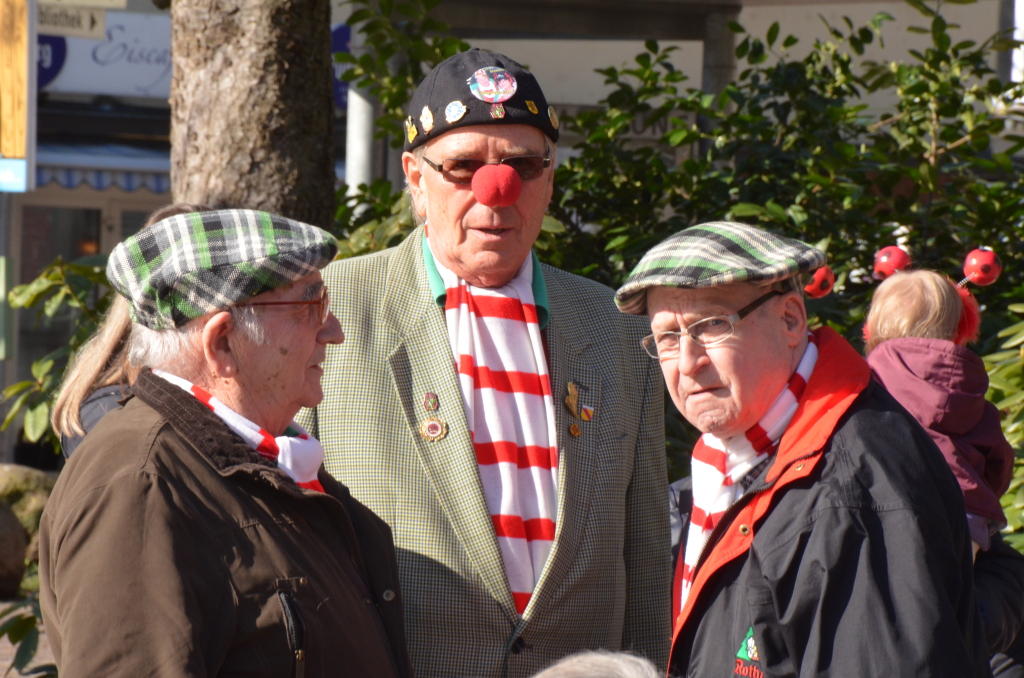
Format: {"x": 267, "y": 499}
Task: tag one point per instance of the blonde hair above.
{"x": 103, "y": 359}
{"x": 913, "y": 304}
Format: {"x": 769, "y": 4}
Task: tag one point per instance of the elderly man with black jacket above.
{"x": 195, "y": 532}
{"x": 827, "y": 534}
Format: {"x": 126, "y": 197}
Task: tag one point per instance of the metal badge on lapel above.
{"x": 433, "y": 429}
{"x": 430, "y": 402}
{"x": 572, "y": 400}
{"x": 581, "y": 412}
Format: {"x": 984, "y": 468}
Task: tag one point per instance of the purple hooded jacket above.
{"x": 943, "y": 386}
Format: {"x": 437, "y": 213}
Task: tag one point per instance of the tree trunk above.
{"x": 252, "y": 112}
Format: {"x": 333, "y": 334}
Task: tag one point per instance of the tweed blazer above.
{"x": 605, "y": 582}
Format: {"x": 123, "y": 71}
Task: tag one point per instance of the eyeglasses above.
{"x": 322, "y": 300}
{"x": 461, "y": 170}
{"x": 704, "y": 332}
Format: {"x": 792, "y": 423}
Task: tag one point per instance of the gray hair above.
{"x": 174, "y": 350}
{"x": 601, "y": 664}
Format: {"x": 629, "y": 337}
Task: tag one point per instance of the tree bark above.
{"x": 252, "y": 109}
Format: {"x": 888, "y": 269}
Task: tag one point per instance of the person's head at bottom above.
{"x": 233, "y": 302}
{"x": 728, "y": 322}
{"x": 600, "y": 664}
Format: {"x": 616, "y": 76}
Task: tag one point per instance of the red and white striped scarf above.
{"x": 297, "y": 453}
{"x": 717, "y": 467}
{"x": 506, "y": 392}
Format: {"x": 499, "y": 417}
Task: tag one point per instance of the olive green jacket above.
{"x": 606, "y": 581}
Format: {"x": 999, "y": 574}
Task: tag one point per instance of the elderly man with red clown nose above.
{"x": 827, "y": 535}
{"x": 497, "y": 412}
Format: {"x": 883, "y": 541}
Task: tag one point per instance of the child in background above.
{"x": 916, "y": 334}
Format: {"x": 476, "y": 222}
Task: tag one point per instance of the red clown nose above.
{"x": 888, "y": 260}
{"x": 497, "y": 185}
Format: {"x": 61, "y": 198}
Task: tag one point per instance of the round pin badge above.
{"x": 433, "y": 429}
{"x": 454, "y": 111}
{"x": 492, "y": 84}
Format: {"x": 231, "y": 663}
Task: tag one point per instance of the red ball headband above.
{"x": 982, "y": 267}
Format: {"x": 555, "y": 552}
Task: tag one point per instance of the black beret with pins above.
{"x": 477, "y": 88}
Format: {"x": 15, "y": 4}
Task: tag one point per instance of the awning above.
{"x": 103, "y": 165}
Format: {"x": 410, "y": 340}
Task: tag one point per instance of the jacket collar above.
{"x": 838, "y": 378}
{"x": 203, "y": 429}
{"x": 437, "y": 288}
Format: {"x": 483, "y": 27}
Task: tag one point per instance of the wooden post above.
{"x": 17, "y": 82}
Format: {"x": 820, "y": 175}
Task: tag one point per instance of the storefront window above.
{"x": 49, "y": 232}
{"x": 132, "y": 223}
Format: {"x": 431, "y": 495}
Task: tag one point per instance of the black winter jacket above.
{"x": 852, "y": 559}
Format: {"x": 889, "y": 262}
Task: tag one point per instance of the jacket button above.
{"x": 518, "y": 645}
{"x": 388, "y": 595}
{"x": 303, "y": 581}
{"x": 744, "y": 529}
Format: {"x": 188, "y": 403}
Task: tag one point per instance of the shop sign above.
{"x": 13, "y": 175}
{"x": 81, "y": 22}
{"x": 133, "y": 58}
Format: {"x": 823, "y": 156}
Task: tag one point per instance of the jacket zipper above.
{"x": 296, "y": 631}
{"x": 730, "y": 513}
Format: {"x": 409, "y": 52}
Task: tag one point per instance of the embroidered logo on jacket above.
{"x": 748, "y": 653}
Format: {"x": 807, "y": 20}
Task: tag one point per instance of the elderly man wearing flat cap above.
{"x": 497, "y": 412}
{"x": 195, "y": 532}
{"x": 827, "y": 536}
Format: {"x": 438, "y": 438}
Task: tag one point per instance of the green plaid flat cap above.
{"x": 191, "y": 264}
{"x": 716, "y": 253}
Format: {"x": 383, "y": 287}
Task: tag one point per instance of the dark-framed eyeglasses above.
{"x": 704, "y": 332}
{"x": 322, "y": 300}
{"x": 461, "y": 170}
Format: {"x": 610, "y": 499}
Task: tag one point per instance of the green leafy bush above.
{"x": 61, "y": 284}
{"x": 1006, "y": 390}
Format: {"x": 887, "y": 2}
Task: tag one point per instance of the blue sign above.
{"x": 340, "y": 37}
{"x": 53, "y": 50}
{"x": 13, "y": 175}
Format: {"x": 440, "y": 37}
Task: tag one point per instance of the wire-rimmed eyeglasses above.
{"x": 322, "y": 300}
{"x": 704, "y": 332}
{"x": 461, "y": 170}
